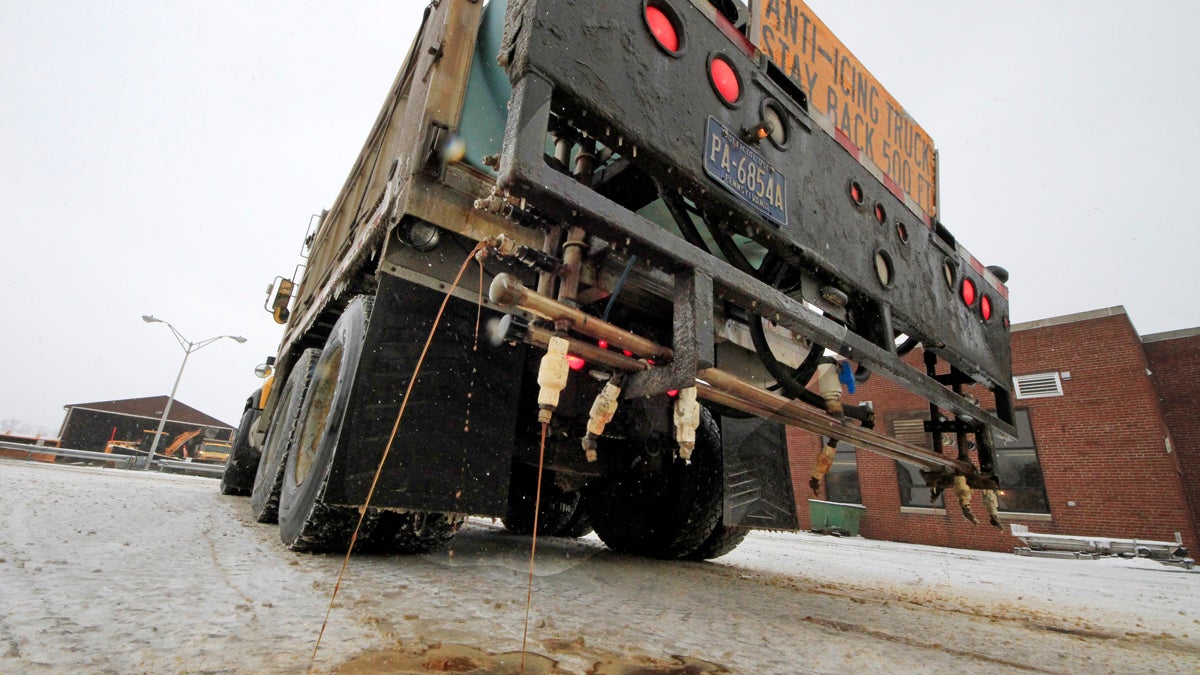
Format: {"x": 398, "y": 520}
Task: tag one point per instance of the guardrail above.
{"x": 191, "y": 468}
{"x": 118, "y": 461}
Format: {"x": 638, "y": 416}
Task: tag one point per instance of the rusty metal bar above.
{"x": 720, "y": 387}
{"x": 507, "y": 291}
{"x": 540, "y": 337}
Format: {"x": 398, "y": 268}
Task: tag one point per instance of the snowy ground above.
{"x": 116, "y": 571}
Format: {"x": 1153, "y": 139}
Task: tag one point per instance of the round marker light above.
{"x": 856, "y": 193}
{"x": 662, "y": 29}
{"x": 968, "y": 292}
{"x": 575, "y": 363}
{"x": 985, "y": 308}
{"x": 725, "y": 80}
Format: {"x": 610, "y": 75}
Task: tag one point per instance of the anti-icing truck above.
{"x": 607, "y": 253}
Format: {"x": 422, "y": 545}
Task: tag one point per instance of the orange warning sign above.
{"x": 843, "y": 91}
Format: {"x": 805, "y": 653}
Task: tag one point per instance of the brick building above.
{"x": 1174, "y": 360}
{"x": 1109, "y": 443}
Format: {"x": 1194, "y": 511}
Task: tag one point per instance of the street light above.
{"x": 188, "y": 348}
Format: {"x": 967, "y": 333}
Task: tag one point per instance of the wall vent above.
{"x": 1039, "y": 385}
{"x": 910, "y": 431}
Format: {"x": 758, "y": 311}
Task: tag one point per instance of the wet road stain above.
{"x": 453, "y": 658}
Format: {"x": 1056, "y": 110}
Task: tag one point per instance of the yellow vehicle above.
{"x": 213, "y": 452}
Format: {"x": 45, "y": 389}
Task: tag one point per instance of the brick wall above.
{"x": 1174, "y": 360}
{"x": 1101, "y": 445}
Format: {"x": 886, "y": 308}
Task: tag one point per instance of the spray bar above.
{"x": 506, "y": 290}
{"x": 713, "y": 384}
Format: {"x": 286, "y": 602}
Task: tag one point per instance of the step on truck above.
{"x": 685, "y": 225}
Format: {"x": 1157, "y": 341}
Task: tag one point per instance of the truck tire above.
{"x": 723, "y": 540}
{"x": 264, "y": 496}
{"x": 666, "y": 514}
{"x": 578, "y": 526}
{"x": 554, "y": 512}
{"x": 242, "y": 465}
{"x": 306, "y": 523}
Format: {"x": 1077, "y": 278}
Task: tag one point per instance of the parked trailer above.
{"x": 674, "y": 253}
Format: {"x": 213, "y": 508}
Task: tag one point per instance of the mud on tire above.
{"x": 406, "y": 532}
{"x": 723, "y": 540}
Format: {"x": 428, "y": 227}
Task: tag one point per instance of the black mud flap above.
{"x": 453, "y": 450}
{"x": 758, "y": 485}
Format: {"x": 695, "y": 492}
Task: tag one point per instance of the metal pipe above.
{"x": 720, "y": 387}
{"x": 507, "y": 291}
{"x": 572, "y": 257}
{"x": 540, "y": 337}
{"x": 550, "y": 244}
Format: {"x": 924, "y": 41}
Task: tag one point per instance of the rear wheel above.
{"x": 306, "y": 523}
{"x": 667, "y": 513}
{"x": 555, "y": 510}
{"x": 242, "y": 464}
{"x": 578, "y": 526}
{"x": 264, "y": 497}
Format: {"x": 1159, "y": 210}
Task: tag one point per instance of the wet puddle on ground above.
{"x": 452, "y": 658}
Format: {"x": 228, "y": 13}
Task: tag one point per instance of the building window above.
{"x": 841, "y": 483}
{"x": 1039, "y": 385}
{"x": 1022, "y": 489}
{"x": 910, "y": 428}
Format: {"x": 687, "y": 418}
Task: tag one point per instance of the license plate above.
{"x": 740, "y": 169}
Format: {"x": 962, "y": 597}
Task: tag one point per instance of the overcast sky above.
{"x": 164, "y": 158}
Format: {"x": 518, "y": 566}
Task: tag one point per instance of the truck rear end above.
{"x": 682, "y": 254}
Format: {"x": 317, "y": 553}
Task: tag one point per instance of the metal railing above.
{"x": 118, "y": 461}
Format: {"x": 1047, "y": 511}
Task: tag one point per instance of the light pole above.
{"x": 188, "y": 348}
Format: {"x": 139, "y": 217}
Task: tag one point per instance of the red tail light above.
{"x": 672, "y": 393}
{"x": 662, "y": 29}
{"x": 968, "y": 292}
{"x": 985, "y": 308}
{"x": 856, "y": 193}
{"x": 725, "y": 80}
{"x": 575, "y": 363}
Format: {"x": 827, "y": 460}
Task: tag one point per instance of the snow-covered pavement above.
{"x": 117, "y": 571}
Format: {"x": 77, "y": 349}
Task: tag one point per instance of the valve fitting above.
{"x": 831, "y": 388}
{"x": 963, "y": 492}
{"x": 687, "y": 420}
{"x": 603, "y": 409}
{"x": 991, "y": 501}
{"x": 823, "y": 464}
{"x": 552, "y": 377}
